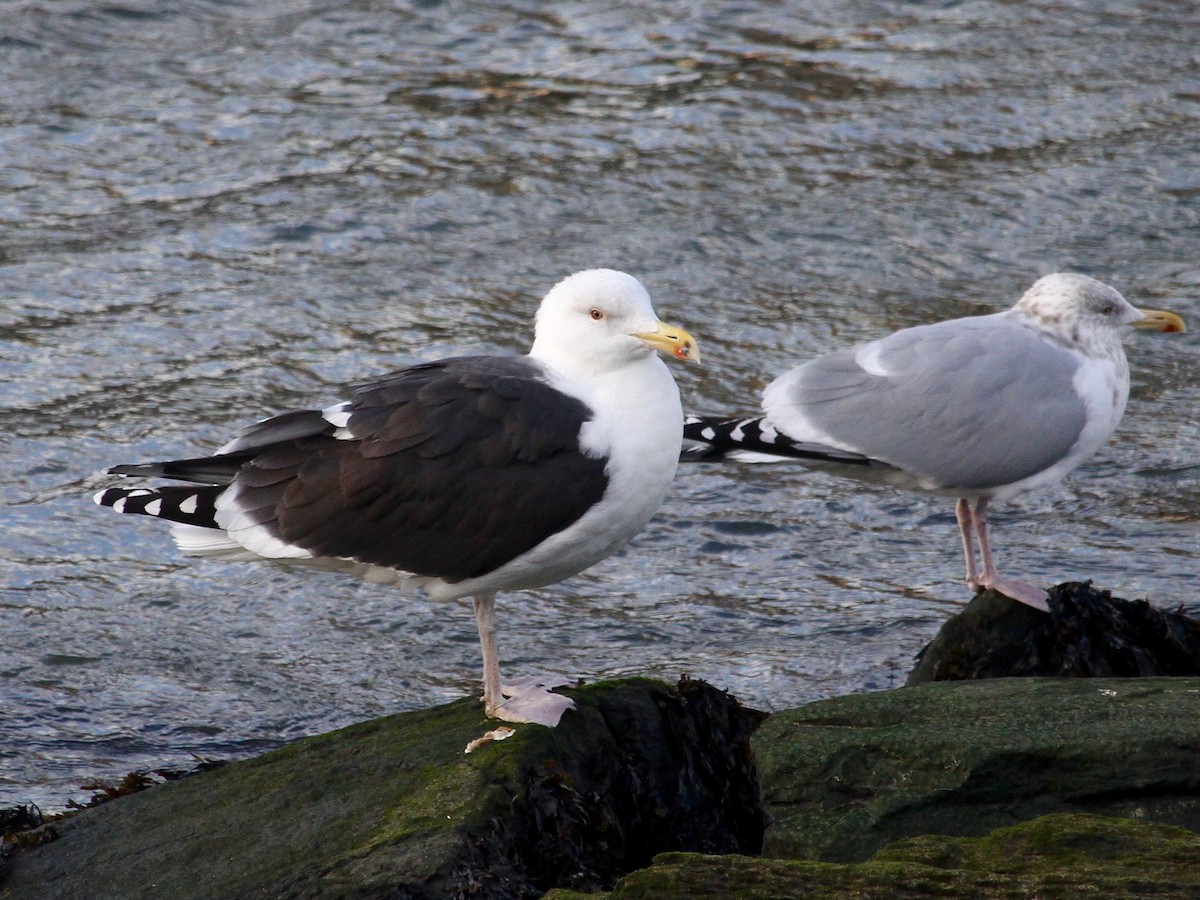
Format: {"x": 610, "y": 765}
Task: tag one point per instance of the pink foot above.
{"x": 529, "y": 699}
{"x": 1021, "y": 591}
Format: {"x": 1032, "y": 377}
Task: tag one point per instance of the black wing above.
{"x": 448, "y": 469}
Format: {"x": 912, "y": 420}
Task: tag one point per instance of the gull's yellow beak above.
{"x": 1160, "y": 320}
{"x": 677, "y": 342}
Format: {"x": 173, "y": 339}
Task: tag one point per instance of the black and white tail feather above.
{"x": 197, "y": 506}
{"x": 186, "y": 505}
{"x": 192, "y": 508}
{"x": 708, "y": 438}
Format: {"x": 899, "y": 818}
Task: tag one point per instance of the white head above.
{"x": 600, "y": 319}
{"x": 1088, "y": 314}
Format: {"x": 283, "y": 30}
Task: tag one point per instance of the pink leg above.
{"x": 1020, "y": 591}
{"x": 962, "y": 512}
{"x": 528, "y": 700}
{"x": 485, "y": 622}
{"x": 985, "y": 546}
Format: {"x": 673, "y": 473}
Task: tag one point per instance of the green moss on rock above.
{"x": 1065, "y": 856}
{"x": 844, "y": 777}
{"x": 395, "y": 808}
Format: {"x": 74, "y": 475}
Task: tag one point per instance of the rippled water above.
{"x": 210, "y": 211}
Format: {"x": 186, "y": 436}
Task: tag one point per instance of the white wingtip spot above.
{"x": 708, "y": 434}
{"x": 154, "y": 507}
{"x": 337, "y": 415}
{"x": 188, "y": 506}
{"x": 98, "y": 497}
{"x": 119, "y": 506}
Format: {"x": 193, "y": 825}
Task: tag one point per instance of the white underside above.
{"x": 211, "y": 543}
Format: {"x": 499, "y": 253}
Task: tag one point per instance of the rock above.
{"x": 842, "y": 778}
{"x": 394, "y": 808}
{"x": 1052, "y": 856}
{"x": 1087, "y": 632}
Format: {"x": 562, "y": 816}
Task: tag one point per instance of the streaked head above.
{"x": 1073, "y": 305}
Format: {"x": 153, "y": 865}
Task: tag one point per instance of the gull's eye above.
{"x": 596, "y": 314}
{"x": 1106, "y": 310}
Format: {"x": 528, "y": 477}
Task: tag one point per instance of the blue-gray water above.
{"x": 210, "y": 211}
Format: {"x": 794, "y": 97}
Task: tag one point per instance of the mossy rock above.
{"x": 395, "y": 808}
{"x": 842, "y": 778}
{"x": 1059, "y": 856}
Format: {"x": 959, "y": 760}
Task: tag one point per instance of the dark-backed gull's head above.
{"x": 601, "y": 319}
{"x": 1081, "y": 310}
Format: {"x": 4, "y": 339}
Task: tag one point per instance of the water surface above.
{"x": 211, "y": 211}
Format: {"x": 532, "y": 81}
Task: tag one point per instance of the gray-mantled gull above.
{"x": 981, "y": 408}
{"x": 466, "y": 477}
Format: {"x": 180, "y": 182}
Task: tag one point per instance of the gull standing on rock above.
{"x": 981, "y": 408}
{"x": 466, "y": 477}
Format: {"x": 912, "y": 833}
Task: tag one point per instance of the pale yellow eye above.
{"x": 596, "y": 314}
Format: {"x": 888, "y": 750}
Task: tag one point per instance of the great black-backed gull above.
{"x": 466, "y": 477}
{"x": 980, "y": 408}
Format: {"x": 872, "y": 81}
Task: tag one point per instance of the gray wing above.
{"x": 966, "y": 404}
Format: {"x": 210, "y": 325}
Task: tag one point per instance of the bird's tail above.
{"x": 706, "y": 438}
{"x": 190, "y": 505}
{"x": 213, "y": 470}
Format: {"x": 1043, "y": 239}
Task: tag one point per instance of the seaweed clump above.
{"x": 1088, "y": 633}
